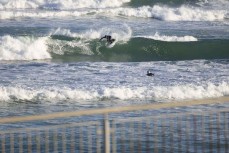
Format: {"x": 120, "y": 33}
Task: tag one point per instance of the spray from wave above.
{"x": 37, "y": 48}
{"x": 123, "y": 33}
{"x": 23, "y": 48}
{"x": 87, "y": 42}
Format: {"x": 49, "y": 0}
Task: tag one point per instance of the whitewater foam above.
{"x": 158, "y": 93}
{"x": 60, "y": 4}
{"x": 120, "y": 34}
{"x": 183, "y": 13}
{"x": 41, "y": 14}
{"x": 83, "y": 44}
{"x": 219, "y": 4}
{"x": 59, "y": 47}
{"x": 23, "y": 48}
{"x": 22, "y": 4}
{"x": 157, "y": 36}
{"x": 191, "y": 91}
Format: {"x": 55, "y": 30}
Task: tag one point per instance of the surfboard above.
{"x": 111, "y": 45}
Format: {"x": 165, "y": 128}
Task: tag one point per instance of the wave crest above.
{"x": 120, "y": 34}
{"x": 183, "y": 13}
{"x": 157, "y": 36}
{"x": 23, "y": 48}
{"x": 157, "y": 93}
{"x": 60, "y": 4}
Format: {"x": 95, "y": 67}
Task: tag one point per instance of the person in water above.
{"x": 109, "y": 39}
{"x": 149, "y": 73}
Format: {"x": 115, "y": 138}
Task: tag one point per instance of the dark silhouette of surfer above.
{"x": 149, "y": 73}
{"x": 109, "y": 39}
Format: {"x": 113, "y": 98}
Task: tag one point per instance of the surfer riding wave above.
{"x": 110, "y": 40}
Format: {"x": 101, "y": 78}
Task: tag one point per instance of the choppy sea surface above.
{"x": 51, "y": 58}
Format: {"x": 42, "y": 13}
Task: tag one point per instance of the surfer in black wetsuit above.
{"x": 109, "y": 39}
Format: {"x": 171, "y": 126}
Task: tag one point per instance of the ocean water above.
{"x": 51, "y": 58}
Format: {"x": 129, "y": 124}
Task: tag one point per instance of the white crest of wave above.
{"x": 120, "y": 34}
{"x": 8, "y": 93}
{"x": 8, "y": 14}
{"x": 18, "y": 4}
{"x": 23, "y": 48}
{"x": 91, "y": 3}
{"x": 216, "y": 4}
{"x": 157, "y": 36}
{"x": 83, "y": 47}
{"x": 183, "y": 13}
{"x": 192, "y": 92}
{"x": 60, "y": 4}
{"x": 179, "y": 92}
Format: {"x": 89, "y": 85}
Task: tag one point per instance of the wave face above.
{"x": 65, "y": 45}
{"x": 142, "y": 49}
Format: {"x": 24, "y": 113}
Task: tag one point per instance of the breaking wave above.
{"x": 59, "y": 4}
{"x": 143, "y": 49}
{"x": 23, "y": 48}
{"x": 157, "y": 93}
{"x": 74, "y": 4}
{"x": 183, "y": 13}
{"x": 74, "y": 46}
{"x": 63, "y": 44}
{"x": 59, "y": 8}
{"x": 157, "y": 36}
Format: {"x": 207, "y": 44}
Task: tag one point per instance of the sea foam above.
{"x": 120, "y": 34}
{"x": 158, "y": 93}
{"x": 60, "y": 4}
{"x": 157, "y": 36}
{"x": 183, "y": 13}
{"x": 23, "y": 48}
{"x": 9, "y": 14}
